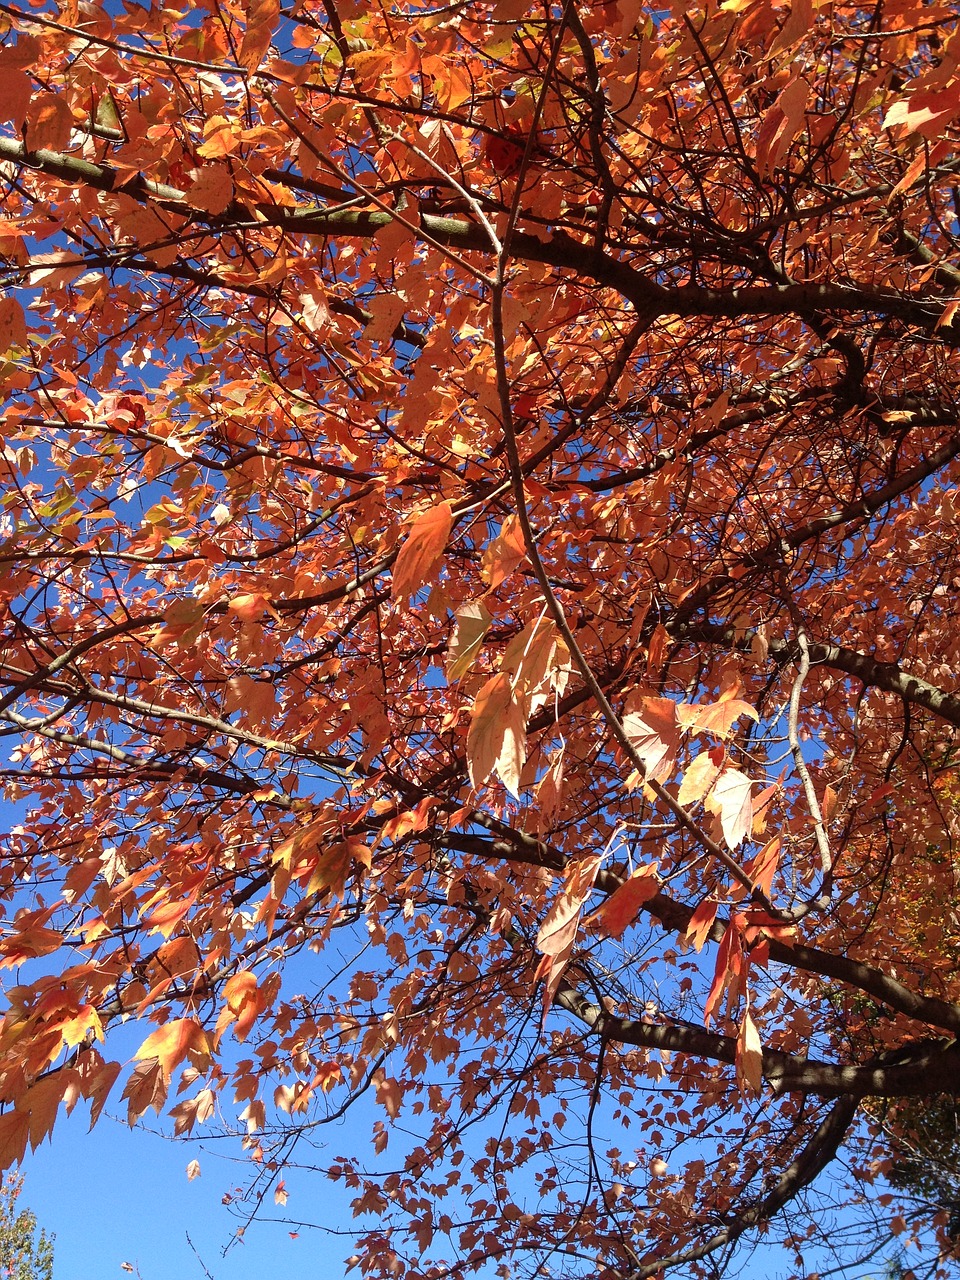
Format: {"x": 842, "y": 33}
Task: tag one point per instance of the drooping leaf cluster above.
{"x": 479, "y": 541}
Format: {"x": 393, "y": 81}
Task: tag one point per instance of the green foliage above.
{"x": 23, "y": 1255}
{"x": 926, "y": 1145}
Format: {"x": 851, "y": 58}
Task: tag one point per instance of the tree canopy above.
{"x": 480, "y": 541}
{"x": 23, "y": 1254}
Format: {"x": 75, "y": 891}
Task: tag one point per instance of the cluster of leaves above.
{"x": 480, "y": 526}
{"x": 23, "y": 1254}
{"x": 927, "y": 1149}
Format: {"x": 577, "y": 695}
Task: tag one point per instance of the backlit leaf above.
{"x": 422, "y": 552}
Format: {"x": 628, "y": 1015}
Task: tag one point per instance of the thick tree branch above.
{"x": 874, "y": 674}
{"x": 924, "y": 1068}
{"x": 558, "y": 250}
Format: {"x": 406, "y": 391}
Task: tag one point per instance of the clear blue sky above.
{"x": 118, "y": 1195}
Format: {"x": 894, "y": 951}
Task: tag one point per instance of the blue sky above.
{"x": 118, "y": 1196}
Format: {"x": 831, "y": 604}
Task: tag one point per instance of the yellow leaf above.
{"x": 700, "y": 776}
{"x": 472, "y": 623}
{"x": 749, "y": 1056}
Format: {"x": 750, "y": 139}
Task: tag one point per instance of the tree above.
{"x": 480, "y": 543}
{"x": 22, "y": 1255}
{"x": 926, "y": 1142}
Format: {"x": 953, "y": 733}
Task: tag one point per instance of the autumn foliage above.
{"x": 480, "y": 548}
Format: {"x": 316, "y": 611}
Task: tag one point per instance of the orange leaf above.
{"x": 49, "y": 122}
{"x": 97, "y": 1079}
{"x": 701, "y": 922}
{"x": 291, "y": 852}
{"x": 623, "y": 905}
{"x": 498, "y": 735}
{"x": 262, "y": 16}
{"x": 503, "y": 554}
{"x": 389, "y": 1093}
{"x": 14, "y": 1129}
{"x": 561, "y": 922}
{"x": 77, "y": 1030}
{"x": 244, "y": 1004}
{"x": 165, "y": 918}
{"x": 13, "y": 325}
{"x": 730, "y": 967}
{"x": 714, "y": 717}
{"x": 147, "y": 1087}
{"x": 925, "y": 112}
{"x": 174, "y": 1041}
{"x": 28, "y": 945}
{"x": 251, "y": 606}
{"x": 700, "y": 776}
{"x": 422, "y": 552}
{"x": 781, "y": 125}
{"x": 41, "y": 1102}
{"x": 763, "y": 867}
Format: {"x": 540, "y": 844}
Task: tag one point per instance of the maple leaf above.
{"x": 13, "y": 324}
{"x": 497, "y": 738}
{"x": 262, "y": 16}
{"x": 473, "y": 621}
{"x": 749, "y": 1058}
{"x": 370, "y": 304}
{"x": 762, "y": 868}
{"x": 422, "y": 552}
{"x": 623, "y": 905}
{"x": 147, "y": 1087}
{"x": 699, "y": 776}
{"x": 171, "y": 1043}
{"x": 701, "y": 923}
{"x": 503, "y": 554}
{"x": 654, "y": 732}
{"x": 731, "y": 800}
